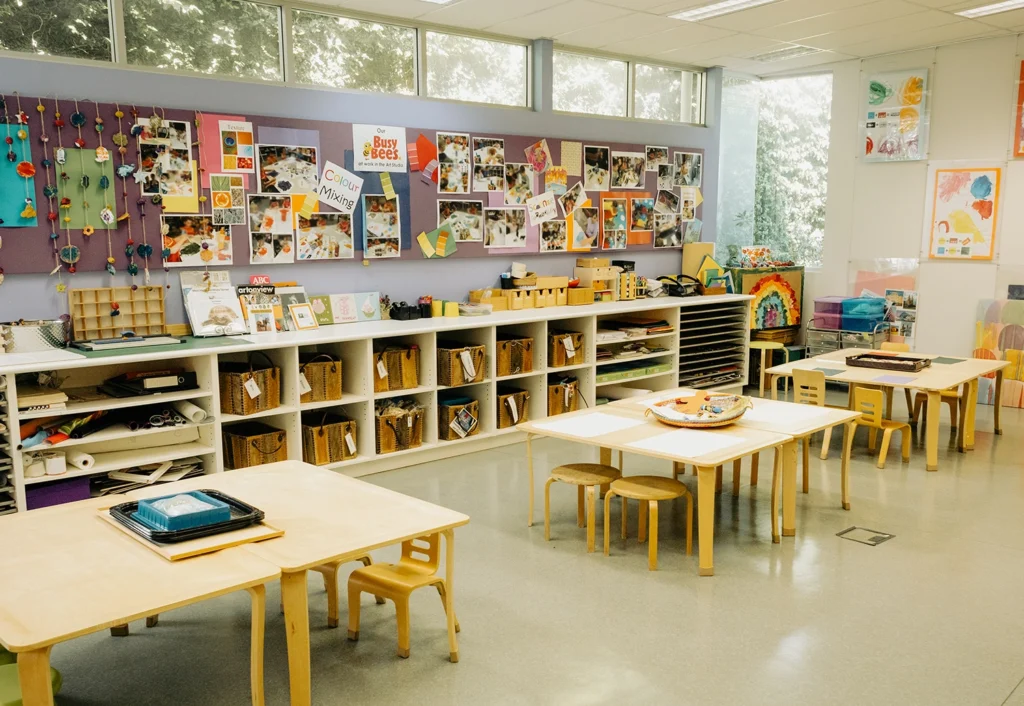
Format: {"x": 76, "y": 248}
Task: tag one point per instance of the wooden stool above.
{"x": 397, "y": 582}
{"x": 648, "y": 490}
{"x": 330, "y": 574}
{"x": 764, "y": 347}
{"x": 587, "y": 477}
{"x": 10, "y": 687}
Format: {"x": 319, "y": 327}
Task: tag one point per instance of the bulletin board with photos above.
{"x": 200, "y": 189}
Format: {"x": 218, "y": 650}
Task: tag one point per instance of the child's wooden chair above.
{"x": 330, "y": 574}
{"x": 950, "y": 397}
{"x": 397, "y": 582}
{"x": 869, "y": 403}
{"x": 897, "y": 348}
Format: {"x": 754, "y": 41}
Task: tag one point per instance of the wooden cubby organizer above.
{"x": 141, "y": 311}
{"x": 726, "y": 327}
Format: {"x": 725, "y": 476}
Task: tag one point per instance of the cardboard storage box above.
{"x": 552, "y": 282}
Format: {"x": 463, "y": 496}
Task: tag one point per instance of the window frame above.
{"x": 422, "y": 88}
{"x": 606, "y": 57}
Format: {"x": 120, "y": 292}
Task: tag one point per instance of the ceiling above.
{"x": 842, "y": 29}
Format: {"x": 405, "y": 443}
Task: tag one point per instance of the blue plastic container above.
{"x": 863, "y": 324}
{"x": 153, "y": 517}
{"x": 864, "y": 306}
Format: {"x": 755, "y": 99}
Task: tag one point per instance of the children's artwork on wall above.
{"x": 572, "y": 156}
{"x": 208, "y": 133}
{"x": 456, "y": 164}
{"x": 963, "y": 206}
{"x": 538, "y": 156}
{"x": 488, "y": 164}
{"x": 325, "y": 236}
{"x": 572, "y": 199}
{"x": 999, "y": 335}
{"x": 668, "y": 230}
{"x": 237, "y": 146}
{"x": 666, "y": 177}
{"x": 641, "y": 214}
{"x": 518, "y": 183}
{"x": 17, "y": 179}
{"x": 596, "y": 166}
{"x": 755, "y": 256}
{"x": 688, "y": 202}
{"x": 1018, "y": 132}
{"x": 895, "y": 117}
{"x": 379, "y": 148}
{"x": 688, "y": 169}
{"x": 350, "y": 308}
{"x": 271, "y": 237}
{"x": 693, "y": 231}
{"x": 777, "y": 296}
{"x": 541, "y": 208}
{"x": 287, "y": 169}
{"x": 465, "y": 218}
{"x": 584, "y": 228}
{"x": 227, "y": 196}
{"x": 82, "y": 162}
{"x": 628, "y": 170}
{"x": 193, "y": 240}
{"x": 382, "y": 227}
{"x": 505, "y": 227}
{"x": 656, "y": 157}
{"x": 554, "y": 236}
{"x": 556, "y": 180}
{"x": 668, "y": 202}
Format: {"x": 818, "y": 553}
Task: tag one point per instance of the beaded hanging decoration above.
{"x": 78, "y": 121}
{"x": 107, "y": 214}
{"x": 124, "y": 170}
{"x": 145, "y": 250}
{"x": 50, "y": 192}
{"x": 69, "y": 254}
{"x": 25, "y": 168}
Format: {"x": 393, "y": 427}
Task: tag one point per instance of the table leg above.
{"x": 967, "y": 419}
{"x": 259, "y": 616}
{"x": 296, "y": 622}
{"x": 764, "y": 375}
{"x": 776, "y": 482}
{"x": 529, "y": 472}
{"x": 606, "y": 460}
{"x": 591, "y": 517}
{"x": 737, "y": 467}
{"x": 449, "y": 601}
{"x": 789, "y": 454}
{"x": 848, "y": 431}
{"x": 931, "y": 440}
{"x": 34, "y": 677}
{"x": 997, "y": 412}
{"x": 706, "y": 519}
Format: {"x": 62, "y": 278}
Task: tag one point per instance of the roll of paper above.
{"x": 56, "y": 464}
{"x": 190, "y": 411}
{"x": 80, "y": 459}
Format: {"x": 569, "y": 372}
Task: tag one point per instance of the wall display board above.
{"x": 325, "y": 170}
{"x": 895, "y": 116}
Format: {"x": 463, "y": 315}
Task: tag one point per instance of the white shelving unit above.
{"x": 353, "y": 344}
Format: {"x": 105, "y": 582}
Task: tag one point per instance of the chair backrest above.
{"x": 895, "y": 347}
{"x": 809, "y": 387}
{"x": 870, "y": 404}
{"x": 422, "y": 553}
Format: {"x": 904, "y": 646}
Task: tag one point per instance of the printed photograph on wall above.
{"x": 668, "y": 231}
{"x": 488, "y": 164}
{"x": 518, "y": 183}
{"x": 271, "y": 236}
{"x": 628, "y": 170}
{"x": 641, "y": 214}
{"x": 505, "y": 227}
{"x": 963, "y": 205}
{"x": 285, "y": 169}
{"x": 894, "y": 119}
{"x": 613, "y": 240}
{"x": 554, "y": 236}
{"x": 586, "y": 228}
{"x": 615, "y": 214}
{"x": 656, "y": 157}
{"x": 465, "y": 218}
{"x": 227, "y": 196}
{"x": 382, "y": 227}
{"x": 572, "y": 199}
{"x": 325, "y": 236}
{"x": 668, "y": 202}
{"x": 237, "y": 146}
{"x": 453, "y": 154}
{"x": 596, "y": 165}
{"x": 666, "y": 176}
{"x": 192, "y": 240}
{"x": 688, "y": 169}
{"x": 165, "y": 162}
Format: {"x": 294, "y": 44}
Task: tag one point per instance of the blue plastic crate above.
{"x": 864, "y": 306}
{"x": 152, "y": 516}
{"x": 863, "y": 324}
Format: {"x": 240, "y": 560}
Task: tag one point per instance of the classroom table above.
{"x": 624, "y": 429}
{"x": 64, "y": 573}
{"x": 944, "y": 373}
{"x": 327, "y": 517}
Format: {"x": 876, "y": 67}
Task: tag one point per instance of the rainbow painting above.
{"x": 775, "y": 304}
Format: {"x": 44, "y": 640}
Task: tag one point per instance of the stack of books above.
{"x": 32, "y": 398}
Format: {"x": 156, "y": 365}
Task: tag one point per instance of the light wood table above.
{"x": 327, "y": 517}
{"x": 686, "y": 446}
{"x": 65, "y": 573}
{"x": 932, "y": 381}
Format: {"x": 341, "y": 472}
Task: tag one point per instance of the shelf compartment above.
{"x": 402, "y": 393}
{"x": 645, "y": 356}
{"x": 346, "y": 398}
{"x": 77, "y": 408}
{"x": 117, "y": 432}
{"x": 120, "y": 460}
{"x": 283, "y": 409}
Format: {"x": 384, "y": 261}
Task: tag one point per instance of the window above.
{"x": 664, "y": 93}
{"x": 79, "y": 29}
{"x": 479, "y": 70}
{"x": 231, "y": 37}
{"x": 590, "y": 84}
{"x": 336, "y": 51}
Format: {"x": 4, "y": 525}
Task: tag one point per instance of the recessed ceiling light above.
{"x": 719, "y": 8}
{"x": 438, "y": 2}
{"x": 992, "y": 9}
{"x": 785, "y": 53}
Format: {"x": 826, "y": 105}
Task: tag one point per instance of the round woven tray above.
{"x": 713, "y": 424}
{"x": 728, "y": 416}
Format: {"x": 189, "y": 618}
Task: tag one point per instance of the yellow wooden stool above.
{"x": 764, "y": 347}
{"x": 648, "y": 490}
{"x": 587, "y": 477}
{"x": 397, "y": 582}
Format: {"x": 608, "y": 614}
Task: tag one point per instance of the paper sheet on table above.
{"x": 667, "y": 396}
{"x": 591, "y": 425}
{"x": 782, "y": 412}
{"x": 894, "y": 379}
{"x": 829, "y": 372}
{"x": 688, "y": 442}
{"x": 943, "y": 360}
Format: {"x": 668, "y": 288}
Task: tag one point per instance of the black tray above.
{"x": 895, "y": 363}
{"x": 242, "y": 515}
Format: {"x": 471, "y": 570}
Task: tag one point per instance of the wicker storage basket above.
{"x": 446, "y": 413}
{"x": 563, "y": 397}
{"x": 397, "y": 432}
{"x": 515, "y": 356}
{"x": 235, "y": 399}
{"x": 323, "y": 373}
{"x": 402, "y": 365}
{"x": 253, "y": 443}
{"x": 558, "y": 350}
{"x": 324, "y": 438}
{"x": 509, "y": 399}
{"x": 451, "y": 369}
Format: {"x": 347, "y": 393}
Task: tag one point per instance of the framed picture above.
{"x": 303, "y": 317}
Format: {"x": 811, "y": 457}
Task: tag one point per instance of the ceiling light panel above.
{"x": 993, "y": 9}
{"x": 717, "y": 9}
{"x": 786, "y": 53}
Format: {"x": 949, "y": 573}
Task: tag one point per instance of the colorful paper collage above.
{"x": 18, "y": 191}
{"x": 208, "y": 132}
{"x": 895, "y": 117}
{"x": 963, "y": 205}
{"x": 237, "y": 146}
{"x": 538, "y": 156}
{"x": 227, "y": 197}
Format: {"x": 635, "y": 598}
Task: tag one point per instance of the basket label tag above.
{"x": 408, "y": 420}
{"x": 252, "y": 388}
{"x": 304, "y": 387}
{"x": 512, "y": 408}
{"x": 568, "y": 394}
{"x": 350, "y": 442}
{"x": 382, "y": 370}
{"x": 457, "y": 428}
{"x": 570, "y": 350}
{"x": 467, "y": 364}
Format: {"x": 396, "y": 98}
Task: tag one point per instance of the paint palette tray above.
{"x": 140, "y": 310}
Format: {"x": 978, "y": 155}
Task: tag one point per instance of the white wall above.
{"x": 877, "y": 210}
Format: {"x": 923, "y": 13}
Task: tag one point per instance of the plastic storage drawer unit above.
{"x": 829, "y": 305}
{"x": 864, "y": 324}
{"x": 864, "y": 306}
{"x": 829, "y": 321}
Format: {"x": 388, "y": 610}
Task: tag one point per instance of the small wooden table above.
{"x": 932, "y": 380}
{"x": 687, "y": 446}
{"x": 326, "y": 517}
{"x": 65, "y": 573}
